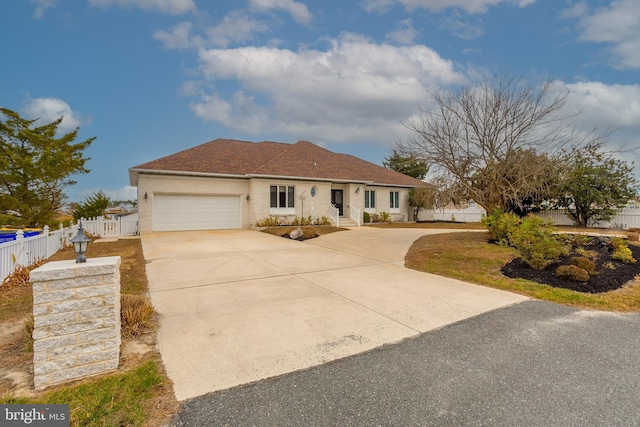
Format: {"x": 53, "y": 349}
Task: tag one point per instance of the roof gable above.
{"x": 275, "y": 159}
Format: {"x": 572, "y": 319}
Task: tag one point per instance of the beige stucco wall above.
{"x": 383, "y": 202}
{"x": 316, "y": 207}
{"x": 257, "y": 207}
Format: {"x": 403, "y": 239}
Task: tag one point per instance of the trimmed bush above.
{"x": 585, "y": 264}
{"x": 535, "y": 241}
{"x": 572, "y": 272}
{"x": 592, "y": 255}
{"x": 500, "y": 225}
{"x": 633, "y": 237}
{"x": 366, "y": 218}
{"x": 621, "y": 251}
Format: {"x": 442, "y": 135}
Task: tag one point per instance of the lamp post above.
{"x": 80, "y": 244}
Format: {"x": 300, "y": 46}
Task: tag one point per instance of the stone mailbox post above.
{"x": 76, "y": 313}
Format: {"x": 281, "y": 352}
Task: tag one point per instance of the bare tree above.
{"x": 493, "y": 142}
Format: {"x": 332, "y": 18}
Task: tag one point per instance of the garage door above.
{"x": 173, "y": 212}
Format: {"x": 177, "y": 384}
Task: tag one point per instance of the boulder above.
{"x": 296, "y": 234}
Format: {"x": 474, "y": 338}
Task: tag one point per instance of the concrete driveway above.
{"x": 240, "y": 306}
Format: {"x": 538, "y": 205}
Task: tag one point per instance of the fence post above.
{"x": 20, "y": 257}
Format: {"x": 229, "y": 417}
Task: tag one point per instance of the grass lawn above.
{"x": 470, "y": 257}
{"x": 138, "y": 394}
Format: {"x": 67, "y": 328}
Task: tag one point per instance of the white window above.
{"x": 282, "y": 196}
{"x": 394, "y": 199}
{"x": 369, "y": 199}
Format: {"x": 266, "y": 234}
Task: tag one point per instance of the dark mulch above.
{"x": 606, "y": 279}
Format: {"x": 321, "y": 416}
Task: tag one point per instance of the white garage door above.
{"x": 173, "y": 212}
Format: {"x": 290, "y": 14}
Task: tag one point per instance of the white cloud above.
{"x": 607, "y": 107}
{"x": 404, "y": 34}
{"x": 48, "y": 110}
{"x": 236, "y": 27}
{"x": 617, "y": 25}
{"x": 171, "y": 7}
{"x": 41, "y": 6}
{"x": 355, "y": 90}
{"x": 468, "y": 6}
{"x": 460, "y": 28}
{"x": 178, "y": 38}
{"x": 298, "y": 10}
{"x": 379, "y": 6}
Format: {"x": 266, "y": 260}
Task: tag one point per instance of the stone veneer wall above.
{"x": 76, "y": 311}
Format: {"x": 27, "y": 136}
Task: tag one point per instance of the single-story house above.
{"x": 227, "y": 184}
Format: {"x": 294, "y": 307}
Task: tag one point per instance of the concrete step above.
{"x": 347, "y": 222}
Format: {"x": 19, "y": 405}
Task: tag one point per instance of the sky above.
{"x": 150, "y": 78}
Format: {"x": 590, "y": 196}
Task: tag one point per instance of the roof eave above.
{"x": 134, "y": 172}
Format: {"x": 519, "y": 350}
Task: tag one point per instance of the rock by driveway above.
{"x": 240, "y": 306}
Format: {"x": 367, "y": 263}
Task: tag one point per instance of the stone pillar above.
{"x": 76, "y": 313}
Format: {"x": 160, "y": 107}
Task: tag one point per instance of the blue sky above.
{"x": 149, "y": 78}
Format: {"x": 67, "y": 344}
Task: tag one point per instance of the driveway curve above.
{"x": 240, "y": 306}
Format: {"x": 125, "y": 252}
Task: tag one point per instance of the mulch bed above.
{"x": 606, "y": 279}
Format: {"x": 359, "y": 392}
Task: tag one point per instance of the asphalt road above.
{"x": 530, "y": 364}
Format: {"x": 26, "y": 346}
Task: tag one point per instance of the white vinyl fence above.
{"x": 470, "y": 214}
{"x": 122, "y": 227}
{"x": 624, "y": 219}
{"x": 27, "y": 251}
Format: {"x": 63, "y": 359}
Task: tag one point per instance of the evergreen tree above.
{"x": 35, "y": 166}
{"x": 409, "y": 165}
{"x": 92, "y": 207}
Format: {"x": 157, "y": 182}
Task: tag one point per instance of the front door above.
{"x": 336, "y": 200}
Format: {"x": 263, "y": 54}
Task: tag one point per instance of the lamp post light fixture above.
{"x": 80, "y": 244}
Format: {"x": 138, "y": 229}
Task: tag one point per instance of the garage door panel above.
{"x": 174, "y": 212}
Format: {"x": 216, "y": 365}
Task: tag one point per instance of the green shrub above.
{"x": 500, "y": 225}
{"x": 572, "y": 272}
{"x": 366, "y": 218}
{"x": 385, "y": 217}
{"x": 269, "y": 221}
{"x": 592, "y": 255}
{"x": 584, "y": 263}
{"x": 621, "y": 251}
{"x": 536, "y": 243}
{"x": 577, "y": 239}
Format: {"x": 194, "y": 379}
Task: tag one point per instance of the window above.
{"x": 282, "y": 196}
{"x": 369, "y": 199}
{"x": 314, "y": 191}
{"x": 394, "y": 199}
